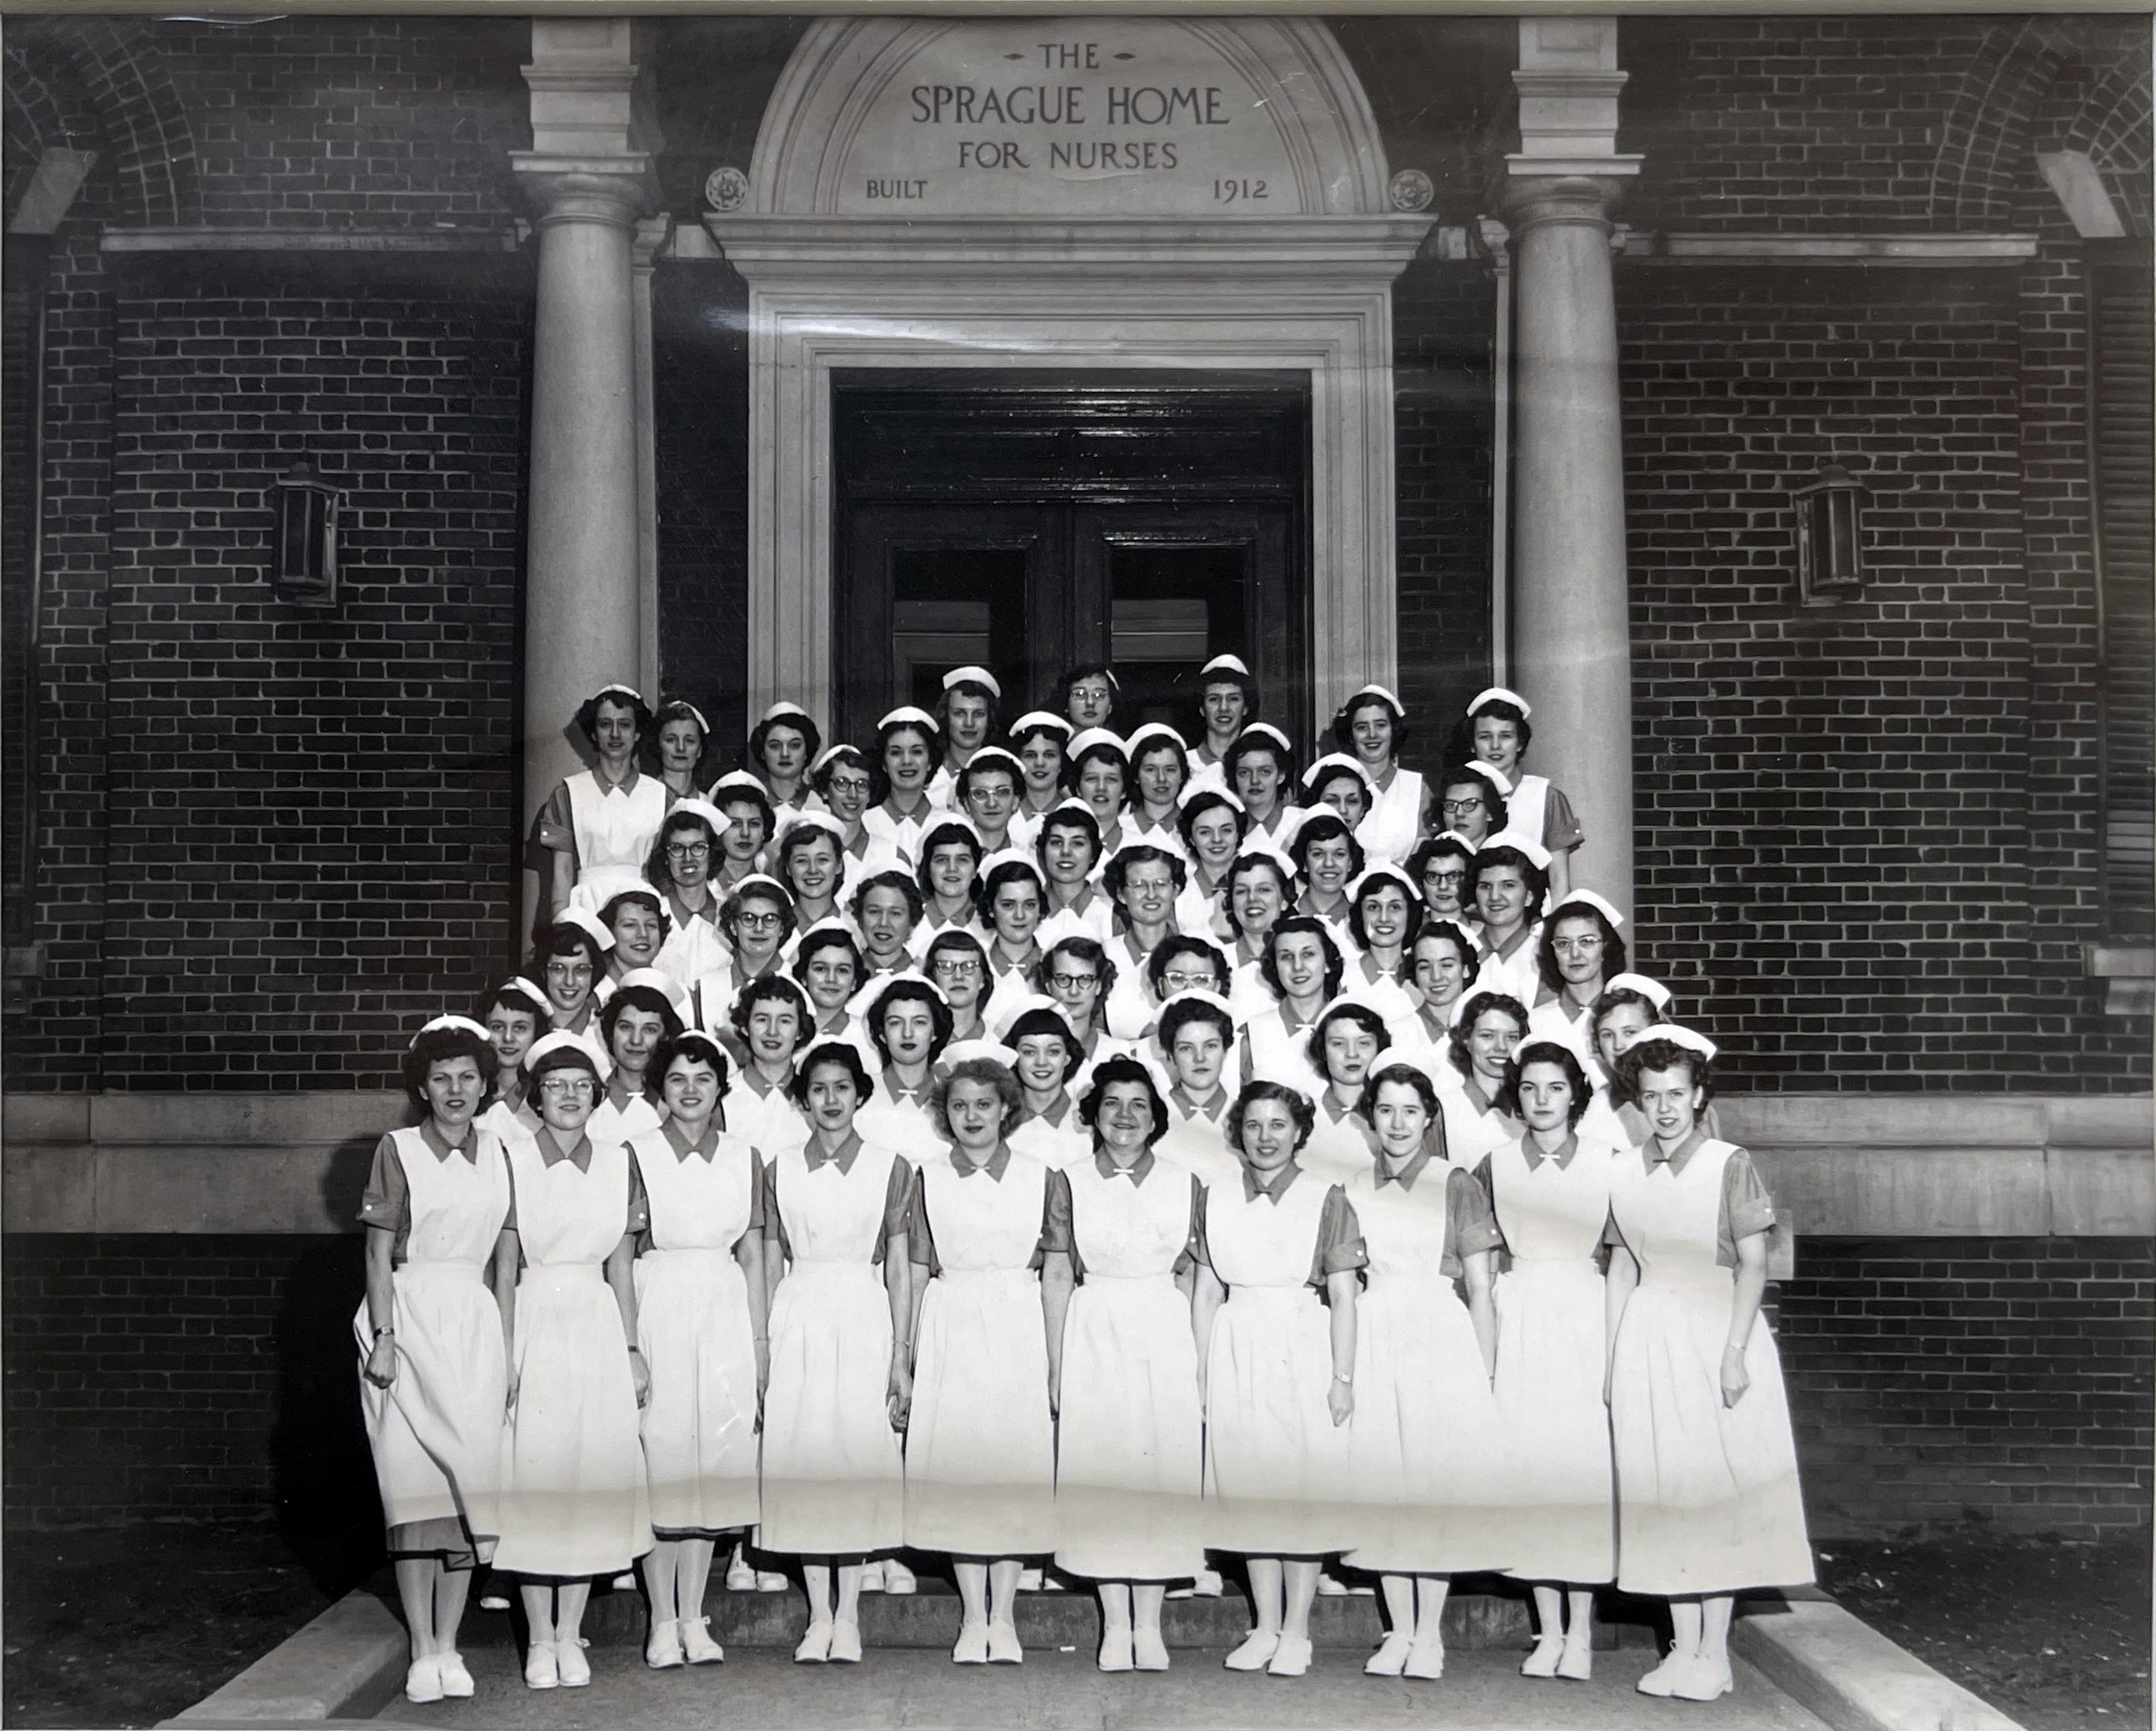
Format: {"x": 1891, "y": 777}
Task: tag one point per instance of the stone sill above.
{"x": 1840, "y": 1165}
{"x": 2130, "y": 975}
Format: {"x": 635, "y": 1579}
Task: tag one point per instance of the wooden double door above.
{"x": 1033, "y": 522}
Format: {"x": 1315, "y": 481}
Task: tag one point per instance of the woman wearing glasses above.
{"x": 679, "y": 869}
{"x": 1579, "y": 952}
{"x": 1496, "y": 730}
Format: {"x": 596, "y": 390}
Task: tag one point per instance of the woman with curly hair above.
{"x": 1496, "y": 730}
{"x": 1373, "y": 728}
{"x": 597, "y": 825}
{"x": 1577, "y": 950}
{"x": 1302, "y": 967}
{"x": 782, "y": 745}
{"x": 1478, "y": 1044}
{"x": 770, "y": 1022}
{"x": 679, "y": 869}
{"x": 908, "y": 746}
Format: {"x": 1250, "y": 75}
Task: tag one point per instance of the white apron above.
{"x": 1339, "y": 1149}
{"x": 1058, "y": 1147}
{"x": 436, "y": 1431}
{"x": 1273, "y": 1052}
{"x": 693, "y": 948}
{"x": 1393, "y": 824}
{"x": 614, "y": 832}
{"x": 1199, "y": 1145}
{"x": 768, "y": 1121}
{"x": 1551, "y": 1021}
{"x": 574, "y": 1502}
{"x": 833, "y": 1480}
{"x": 1130, "y": 1469}
{"x": 1552, "y": 1340}
{"x": 609, "y": 1124}
{"x": 699, "y": 1341}
{"x": 980, "y": 1447}
{"x": 1274, "y": 1461}
{"x": 1517, "y": 976}
{"x": 1527, "y": 807}
{"x": 1426, "y": 1451}
{"x": 1707, "y": 1495}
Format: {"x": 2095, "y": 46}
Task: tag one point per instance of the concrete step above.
{"x": 1484, "y": 1612}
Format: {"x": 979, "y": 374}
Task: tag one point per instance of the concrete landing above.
{"x": 1481, "y": 1691}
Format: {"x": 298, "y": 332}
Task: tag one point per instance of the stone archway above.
{"x": 1127, "y": 193}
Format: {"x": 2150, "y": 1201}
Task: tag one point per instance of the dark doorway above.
{"x": 1030, "y": 521}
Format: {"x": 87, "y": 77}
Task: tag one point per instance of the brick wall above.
{"x": 1937, "y": 1382}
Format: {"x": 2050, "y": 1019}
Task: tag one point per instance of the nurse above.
{"x": 1479, "y": 1045}
{"x": 1099, "y": 773}
{"x": 1341, "y": 1048}
{"x": 957, "y": 964}
{"x": 1384, "y": 914}
{"x": 700, "y": 1327}
{"x": 1578, "y": 951}
{"x": 908, "y": 746}
{"x": 827, "y": 965}
{"x": 1143, "y": 881}
{"x": 1439, "y": 867}
{"x": 810, "y": 862}
{"x": 839, "y": 1383}
{"x": 568, "y": 960}
{"x": 640, "y": 1016}
{"x": 1038, "y": 739}
{"x": 1707, "y": 1496}
{"x": 980, "y": 1444}
{"x": 1228, "y": 701}
{"x": 1069, "y": 848}
{"x": 1013, "y": 896}
{"x": 1445, "y": 968}
{"x": 1302, "y": 967}
{"x": 1279, "y": 1260}
{"x": 909, "y": 1024}
{"x": 1260, "y": 770}
{"x": 637, "y": 920}
{"x": 1212, "y": 825}
{"x": 1122, "y": 1225}
{"x": 986, "y": 794}
{"x": 782, "y": 745}
{"x": 432, "y": 1335}
{"x": 1496, "y": 732}
{"x": 887, "y": 907}
{"x": 1426, "y": 1448}
{"x": 770, "y": 1023}
{"x": 679, "y": 868}
{"x": 1373, "y": 727}
{"x": 1472, "y": 801}
{"x": 1550, "y": 1190}
{"x": 966, "y": 712}
{"x": 1086, "y": 696}
{"x": 597, "y": 825}
{"x": 750, "y": 821}
{"x": 1260, "y": 885}
{"x": 682, "y": 733}
{"x": 949, "y": 873}
{"x": 757, "y": 918}
{"x": 1077, "y": 974}
{"x": 514, "y": 1013}
{"x": 1159, "y": 769}
{"x": 1328, "y": 859}
{"x": 844, "y": 783}
{"x": 1197, "y": 1035}
{"x": 1508, "y": 884}
{"x": 1045, "y": 1056}
{"x": 575, "y": 1502}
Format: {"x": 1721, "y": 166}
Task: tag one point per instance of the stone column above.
{"x": 1571, "y": 638}
{"x": 651, "y": 234}
{"x": 581, "y": 602}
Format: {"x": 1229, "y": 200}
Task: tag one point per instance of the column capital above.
{"x": 614, "y": 190}
{"x": 649, "y": 234}
{"x": 1534, "y": 201}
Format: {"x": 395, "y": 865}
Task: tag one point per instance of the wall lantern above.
{"x": 1829, "y": 543}
{"x": 306, "y": 538}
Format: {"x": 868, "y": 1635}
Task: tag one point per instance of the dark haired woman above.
{"x": 568, "y": 960}
{"x": 965, "y": 715}
{"x": 1443, "y": 966}
{"x": 980, "y": 1446}
{"x": 908, "y": 1021}
{"x": 1496, "y": 730}
{"x": 1425, "y": 1449}
{"x": 827, "y": 963}
{"x": 636, "y": 919}
{"x": 1086, "y": 696}
{"x": 1160, "y": 766}
{"x": 433, "y": 1334}
{"x": 1098, "y": 772}
{"x": 701, "y": 1303}
{"x": 838, "y": 1386}
{"x": 1578, "y": 952}
{"x": 1384, "y": 914}
{"x": 1077, "y": 974}
{"x": 985, "y": 792}
{"x": 1143, "y": 881}
{"x": 514, "y": 1012}
{"x": 757, "y": 918}
{"x": 1550, "y": 1189}
{"x": 846, "y": 784}
{"x": 574, "y": 1501}
{"x": 597, "y": 825}
{"x": 1302, "y": 966}
{"x": 887, "y": 907}
{"x": 1278, "y": 1369}
{"x": 782, "y": 745}
{"x": 1211, "y": 824}
{"x": 1438, "y": 868}
{"x": 809, "y": 859}
{"x": 1013, "y": 896}
{"x": 957, "y": 964}
{"x": 1328, "y": 859}
{"x": 949, "y": 873}
{"x": 1228, "y": 701}
{"x": 1708, "y": 1497}
{"x": 1069, "y": 847}
{"x": 750, "y": 821}
{"x": 644, "y": 1013}
{"x": 679, "y": 869}
{"x": 908, "y": 745}
{"x": 1259, "y": 887}
{"x": 1508, "y": 884}
{"x": 1197, "y": 1037}
{"x": 1472, "y": 801}
{"x": 1260, "y": 771}
{"x": 1343, "y": 1047}
{"x": 1373, "y": 727}
{"x": 1045, "y": 1056}
{"x": 770, "y": 1022}
{"x": 1037, "y": 740}
{"x": 681, "y": 733}
{"x": 1491, "y": 1025}
{"x": 1122, "y": 1225}
{"x": 1632, "y": 1004}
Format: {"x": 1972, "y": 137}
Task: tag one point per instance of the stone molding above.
{"x": 1950, "y": 251}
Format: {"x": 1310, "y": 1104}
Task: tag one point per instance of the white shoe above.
{"x": 898, "y": 1578}
{"x": 815, "y": 1646}
{"x": 769, "y": 1580}
{"x": 541, "y": 1672}
{"x": 1032, "y": 1580}
{"x": 1003, "y": 1648}
{"x": 1577, "y": 1662}
{"x": 845, "y": 1643}
{"x": 872, "y": 1575}
{"x": 494, "y": 1601}
{"x": 1255, "y": 1652}
{"x": 1704, "y": 1681}
{"x": 1115, "y": 1650}
{"x": 1207, "y": 1585}
{"x": 662, "y": 1648}
{"x": 1290, "y": 1658}
{"x": 456, "y": 1680}
{"x": 1425, "y": 1661}
{"x": 1330, "y": 1586}
{"x": 740, "y": 1577}
{"x": 1542, "y": 1660}
{"x": 569, "y": 1661}
{"x": 1149, "y": 1651}
{"x": 972, "y": 1647}
{"x": 423, "y": 1680}
{"x": 625, "y": 1582}
{"x": 697, "y": 1646}
{"x": 1391, "y": 1654}
{"x": 1664, "y": 1678}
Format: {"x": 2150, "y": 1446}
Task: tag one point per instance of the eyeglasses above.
{"x": 955, "y": 967}
{"x": 568, "y": 970}
{"x": 759, "y": 921}
{"x": 688, "y": 849}
{"x": 1459, "y": 808}
{"x": 1073, "y": 982}
{"x": 850, "y": 784}
{"x": 1575, "y": 946}
{"x": 1445, "y": 877}
{"x": 1184, "y": 981}
{"x": 566, "y": 1085}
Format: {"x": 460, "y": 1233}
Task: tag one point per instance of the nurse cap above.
{"x": 853, "y": 1041}
{"x": 1383, "y": 872}
{"x": 779, "y": 711}
{"x": 1353, "y": 999}
{"x": 517, "y": 985}
{"x": 959, "y": 1050}
{"x": 971, "y": 675}
{"x": 562, "y": 1041}
{"x": 762, "y": 880}
{"x": 1491, "y": 774}
{"x": 1070, "y": 806}
{"x": 1334, "y": 760}
{"x": 796, "y": 819}
{"x": 1012, "y": 856}
{"x": 619, "y": 690}
{"x": 830, "y": 753}
{"x": 996, "y": 754}
{"x": 1653, "y": 990}
{"x": 864, "y": 1000}
{"x": 1192, "y": 789}
{"x": 717, "y": 821}
{"x": 1211, "y": 1000}
{"x": 587, "y": 922}
{"x": 1690, "y": 1039}
{"x": 1153, "y": 730}
{"x": 667, "y": 987}
{"x": 1374, "y": 691}
{"x": 741, "y": 781}
{"x": 1033, "y": 1004}
{"x": 463, "y": 1024}
{"x": 1402, "y": 1058}
{"x": 683, "y": 704}
{"x": 1498, "y": 694}
{"x": 1258, "y": 846}
{"x": 1266, "y": 730}
{"x": 830, "y": 924}
{"x": 948, "y": 825}
{"x": 1036, "y": 719}
{"x": 1532, "y": 851}
{"x": 1588, "y": 898}
{"x": 908, "y": 713}
{"x": 1097, "y": 735}
{"x": 1460, "y": 842}
{"x": 1224, "y": 664}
